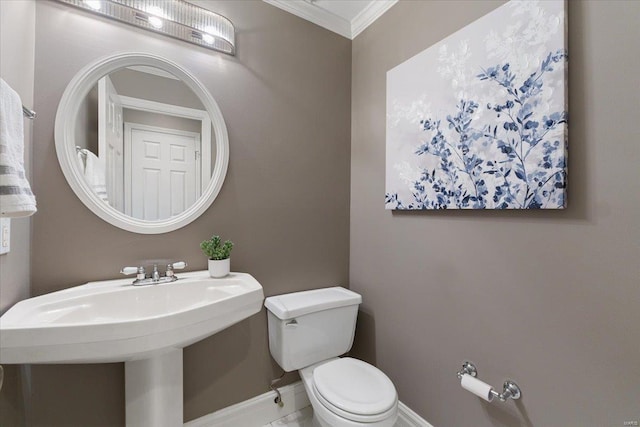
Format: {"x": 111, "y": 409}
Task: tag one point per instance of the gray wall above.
{"x": 17, "y": 45}
{"x": 286, "y": 101}
{"x": 138, "y": 84}
{"x": 549, "y": 299}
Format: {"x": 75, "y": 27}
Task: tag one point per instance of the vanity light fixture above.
{"x": 93, "y": 4}
{"x": 174, "y": 18}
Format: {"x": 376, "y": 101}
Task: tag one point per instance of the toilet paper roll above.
{"x": 477, "y": 387}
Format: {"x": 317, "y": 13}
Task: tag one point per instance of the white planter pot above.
{"x": 219, "y": 267}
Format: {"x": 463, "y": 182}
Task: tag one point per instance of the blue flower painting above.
{"x": 479, "y": 120}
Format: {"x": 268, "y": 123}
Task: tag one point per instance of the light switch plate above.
{"x": 5, "y": 235}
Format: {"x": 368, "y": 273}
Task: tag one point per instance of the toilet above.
{"x": 307, "y": 332}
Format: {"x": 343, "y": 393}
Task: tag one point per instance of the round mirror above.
{"x": 141, "y": 142}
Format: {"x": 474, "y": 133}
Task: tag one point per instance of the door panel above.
{"x": 160, "y": 159}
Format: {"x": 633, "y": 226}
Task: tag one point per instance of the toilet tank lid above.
{"x": 296, "y": 304}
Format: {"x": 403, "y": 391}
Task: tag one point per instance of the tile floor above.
{"x": 302, "y": 418}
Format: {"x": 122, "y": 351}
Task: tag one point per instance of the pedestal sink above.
{"x": 144, "y": 326}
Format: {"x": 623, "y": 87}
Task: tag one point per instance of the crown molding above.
{"x": 315, "y": 14}
{"x": 368, "y": 15}
{"x": 319, "y": 16}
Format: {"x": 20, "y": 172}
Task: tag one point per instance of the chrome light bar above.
{"x": 174, "y": 18}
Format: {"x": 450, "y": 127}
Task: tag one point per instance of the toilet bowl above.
{"x": 347, "y": 392}
{"x": 307, "y": 330}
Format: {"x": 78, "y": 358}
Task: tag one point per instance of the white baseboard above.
{"x": 408, "y": 418}
{"x": 256, "y": 411}
{"x": 261, "y": 410}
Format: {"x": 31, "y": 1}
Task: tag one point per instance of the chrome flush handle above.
{"x": 291, "y": 323}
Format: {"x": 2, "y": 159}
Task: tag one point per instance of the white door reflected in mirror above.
{"x": 141, "y": 142}
{"x": 161, "y": 171}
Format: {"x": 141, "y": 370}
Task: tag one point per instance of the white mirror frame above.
{"x": 65, "y": 124}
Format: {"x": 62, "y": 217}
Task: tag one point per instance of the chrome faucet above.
{"x": 154, "y": 278}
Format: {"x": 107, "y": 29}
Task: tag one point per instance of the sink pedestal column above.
{"x": 153, "y": 390}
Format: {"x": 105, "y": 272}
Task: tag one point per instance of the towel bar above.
{"x": 28, "y": 113}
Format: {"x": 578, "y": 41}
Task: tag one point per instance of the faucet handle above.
{"x": 133, "y": 270}
{"x": 129, "y": 270}
{"x": 175, "y": 266}
{"x": 178, "y": 265}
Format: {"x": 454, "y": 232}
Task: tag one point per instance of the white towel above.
{"x": 95, "y": 174}
{"x": 80, "y": 152}
{"x": 16, "y": 198}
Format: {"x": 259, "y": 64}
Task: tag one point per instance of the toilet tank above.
{"x": 311, "y": 326}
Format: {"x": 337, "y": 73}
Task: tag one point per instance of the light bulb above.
{"x": 155, "y": 22}
{"x": 93, "y": 4}
{"x": 208, "y": 38}
{"x": 155, "y": 10}
{"x": 155, "y": 15}
{"x": 212, "y": 30}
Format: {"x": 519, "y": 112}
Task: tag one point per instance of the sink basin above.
{"x": 144, "y": 326}
{"x": 113, "y": 321}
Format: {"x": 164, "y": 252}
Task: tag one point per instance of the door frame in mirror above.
{"x": 65, "y": 124}
{"x": 176, "y": 111}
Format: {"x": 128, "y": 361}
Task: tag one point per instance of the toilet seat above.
{"x": 354, "y": 390}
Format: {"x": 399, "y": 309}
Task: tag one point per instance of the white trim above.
{"x": 408, "y": 418}
{"x": 162, "y": 108}
{"x": 322, "y": 17}
{"x": 66, "y": 152}
{"x": 261, "y": 410}
{"x": 153, "y": 70}
{"x": 315, "y": 14}
{"x": 257, "y": 411}
{"x": 369, "y": 14}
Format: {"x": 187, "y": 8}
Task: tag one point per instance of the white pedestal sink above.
{"x": 144, "y": 326}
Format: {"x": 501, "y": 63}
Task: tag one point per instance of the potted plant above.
{"x": 219, "y": 256}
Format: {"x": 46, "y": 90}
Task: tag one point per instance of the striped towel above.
{"x": 16, "y": 198}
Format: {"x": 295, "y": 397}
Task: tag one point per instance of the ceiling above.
{"x": 345, "y": 17}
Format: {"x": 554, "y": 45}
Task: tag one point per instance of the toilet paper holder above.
{"x": 510, "y": 389}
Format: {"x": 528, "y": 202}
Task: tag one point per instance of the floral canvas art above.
{"x": 479, "y": 120}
